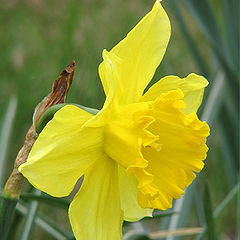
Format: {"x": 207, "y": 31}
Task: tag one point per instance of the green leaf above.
{"x": 30, "y": 217}
{"x": 7, "y": 208}
{"x": 133, "y": 235}
{"x": 229, "y": 159}
{"x": 174, "y": 4}
{"x": 56, "y": 202}
{"x": 231, "y": 13}
{"x": 233, "y": 193}
{"x": 214, "y": 99}
{"x": 5, "y": 134}
{"x": 208, "y": 213}
{"x": 160, "y": 214}
{"x": 238, "y": 209}
{"x": 46, "y": 224}
{"x": 198, "y": 197}
{"x": 183, "y": 207}
{"x": 204, "y": 15}
{"x": 232, "y": 114}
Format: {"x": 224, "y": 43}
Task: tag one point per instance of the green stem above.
{"x": 7, "y": 208}
{"x": 12, "y": 189}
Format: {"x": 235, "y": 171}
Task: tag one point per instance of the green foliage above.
{"x": 39, "y": 39}
{"x": 208, "y": 211}
{"x": 7, "y": 208}
{"x": 7, "y": 125}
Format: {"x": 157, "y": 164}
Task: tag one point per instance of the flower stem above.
{"x": 14, "y": 183}
{"x": 12, "y": 190}
{"x": 7, "y": 208}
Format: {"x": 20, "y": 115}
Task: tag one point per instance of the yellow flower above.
{"x": 138, "y": 153}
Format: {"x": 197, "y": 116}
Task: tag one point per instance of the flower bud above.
{"x": 58, "y": 95}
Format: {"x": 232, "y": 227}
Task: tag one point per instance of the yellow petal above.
{"x": 109, "y": 72}
{"x": 192, "y": 87}
{"x": 141, "y": 52}
{"x": 95, "y": 212}
{"x": 62, "y": 152}
{"x": 129, "y": 197}
{"x": 182, "y": 141}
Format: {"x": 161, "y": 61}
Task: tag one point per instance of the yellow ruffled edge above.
{"x": 148, "y": 192}
{"x": 142, "y": 121}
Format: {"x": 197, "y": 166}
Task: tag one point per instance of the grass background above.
{"x": 40, "y": 38}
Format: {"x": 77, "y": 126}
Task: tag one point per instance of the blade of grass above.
{"x": 230, "y": 167}
{"x": 188, "y": 38}
{"x": 56, "y": 202}
{"x": 233, "y": 193}
{"x": 46, "y": 224}
{"x": 231, "y": 78}
{"x": 199, "y": 203}
{"x": 6, "y": 133}
{"x": 30, "y": 217}
{"x": 174, "y": 220}
{"x": 15, "y": 224}
{"x": 226, "y": 201}
{"x": 204, "y": 15}
{"x": 6, "y": 205}
{"x": 228, "y": 128}
{"x": 7, "y": 209}
{"x": 215, "y": 99}
{"x": 183, "y": 206}
{"x": 161, "y": 214}
{"x": 207, "y": 203}
{"x": 238, "y": 211}
{"x": 231, "y": 13}
{"x": 135, "y": 235}
{"x": 139, "y": 231}
{"x": 233, "y": 115}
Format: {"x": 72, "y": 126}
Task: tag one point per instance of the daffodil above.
{"x": 138, "y": 153}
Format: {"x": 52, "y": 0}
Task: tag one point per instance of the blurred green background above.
{"x": 38, "y": 39}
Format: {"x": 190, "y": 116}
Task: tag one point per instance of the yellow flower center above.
{"x": 138, "y": 137}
